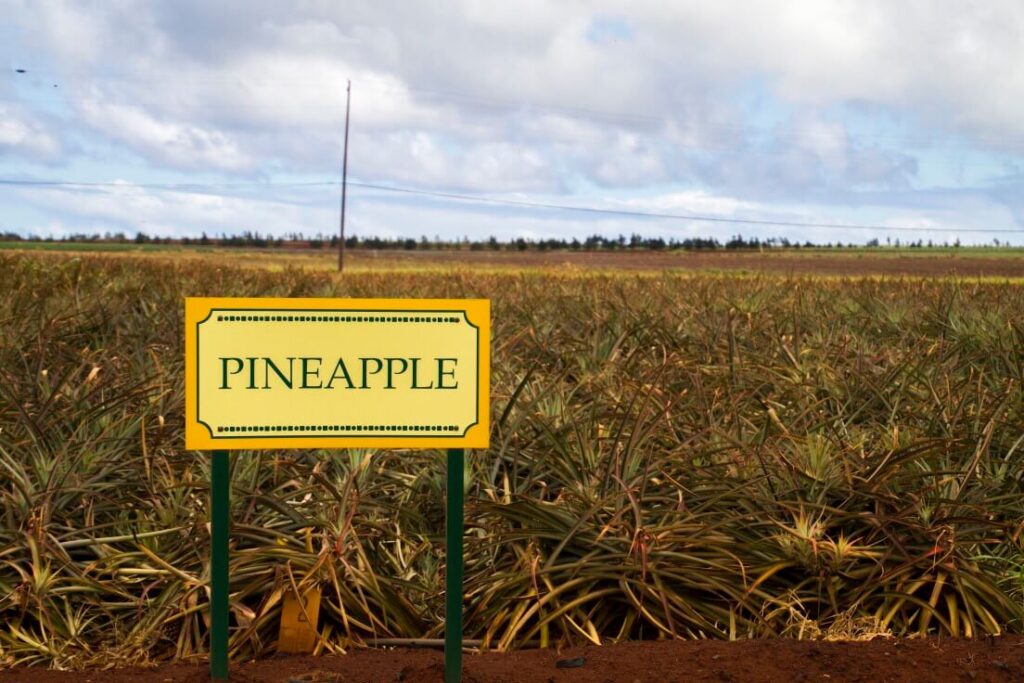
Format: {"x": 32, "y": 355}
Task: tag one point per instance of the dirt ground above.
{"x": 753, "y": 661}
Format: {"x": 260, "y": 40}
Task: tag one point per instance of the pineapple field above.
{"x": 674, "y": 456}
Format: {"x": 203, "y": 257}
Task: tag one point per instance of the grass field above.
{"x": 90, "y": 247}
{"x": 987, "y": 262}
{"x": 674, "y": 454}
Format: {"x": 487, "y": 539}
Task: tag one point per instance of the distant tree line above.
{"x": 635, "y": 242}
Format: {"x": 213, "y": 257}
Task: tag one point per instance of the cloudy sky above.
{"x": 191, "y": 116}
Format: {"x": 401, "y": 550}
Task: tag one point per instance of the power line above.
{"x": 677, "y": 216}
{"x": 505, "y": 202}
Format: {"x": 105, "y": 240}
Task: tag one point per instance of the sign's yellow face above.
{"x": 337, "y": 373}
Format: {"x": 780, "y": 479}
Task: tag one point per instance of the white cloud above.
{"x": 730, "y": 99}
{"x": 21, "y": 135}
{"x": 951, "y": 64}
{"x": 692, "y": 202}
{"x": 177, "y": 144}
{"x": 129, "y": 208}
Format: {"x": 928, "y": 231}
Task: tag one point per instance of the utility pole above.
{"x": 344, "y": 180}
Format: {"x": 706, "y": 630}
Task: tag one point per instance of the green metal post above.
{"x": 220, "y": 519}
{"x": 453, "y": 574}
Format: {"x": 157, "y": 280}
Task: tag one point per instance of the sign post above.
{"x": 454, "y": 519}
{"x": 336, "y": 373}
{"x": 220, "y": 520}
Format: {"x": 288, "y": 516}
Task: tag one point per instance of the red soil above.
{"x": 752, "y": 661}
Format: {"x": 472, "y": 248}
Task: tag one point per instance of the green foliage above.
{"x": 671, "y": 456}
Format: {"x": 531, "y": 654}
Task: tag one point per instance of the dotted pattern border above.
{"x": 338, "y": 319}
{"x": 291, "y": 429}
{"x": 335, "y": 428}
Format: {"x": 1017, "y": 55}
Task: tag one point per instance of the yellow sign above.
{"x": 337, "y": 373}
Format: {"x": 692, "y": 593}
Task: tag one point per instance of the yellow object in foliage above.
{"x": 298, "y": 622}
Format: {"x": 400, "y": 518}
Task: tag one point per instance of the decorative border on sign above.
{"x": 335, "y": 319}
{"x": 250, "y": 431}
{"x": 338, "y": 428}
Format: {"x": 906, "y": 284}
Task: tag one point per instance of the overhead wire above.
{"x": 504, "y": 103}
{"x": 519, "y": 203}
{"x": 680, "y": 216}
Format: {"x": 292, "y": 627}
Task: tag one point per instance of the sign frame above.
{"x": 474, "y": 312}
